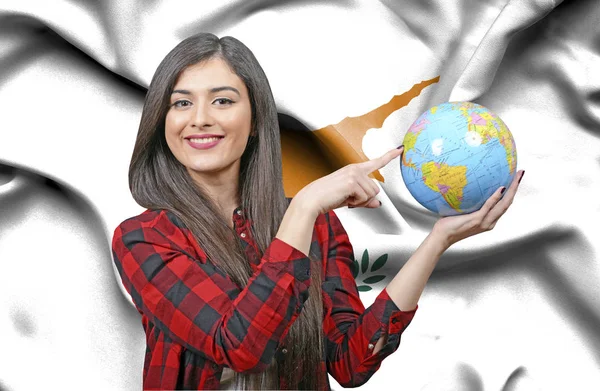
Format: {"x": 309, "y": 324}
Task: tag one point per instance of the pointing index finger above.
{"x": 379, "y": 162}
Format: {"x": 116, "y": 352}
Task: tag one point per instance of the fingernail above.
{"x": 379, "y": 203}
{"x": 503, "y": 190}
{"x": 400, "y": 147}
{"x": 522, "y": 175}
{"x": 350, "y": 207}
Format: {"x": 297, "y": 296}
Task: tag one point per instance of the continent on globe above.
{"x": 456, "y": 155}
{"x": 449, "y": 181}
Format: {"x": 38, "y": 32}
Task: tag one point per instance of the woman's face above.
{"x": 209, "y": 120}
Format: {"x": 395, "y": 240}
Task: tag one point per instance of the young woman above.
{"x": 239, "y": 287}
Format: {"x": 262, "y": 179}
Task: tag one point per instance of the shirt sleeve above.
{"x": 199, "y": 307}
{"x": 351, "y": 330}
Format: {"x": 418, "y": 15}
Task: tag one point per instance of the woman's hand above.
{"x": 452, "y": 229}
{"x": 348, "y": 186}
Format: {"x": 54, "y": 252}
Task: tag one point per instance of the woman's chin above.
{"x": 207, "y": 168}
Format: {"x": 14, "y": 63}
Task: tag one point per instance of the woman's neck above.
{"x": 223, "y": 191}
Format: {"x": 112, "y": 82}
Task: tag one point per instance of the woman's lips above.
{"x": 204, "y": 144}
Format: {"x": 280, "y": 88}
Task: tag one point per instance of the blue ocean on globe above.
{"x": 456, "y": 155}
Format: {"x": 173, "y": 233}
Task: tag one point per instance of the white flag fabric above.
{"x": 516, "y": 308}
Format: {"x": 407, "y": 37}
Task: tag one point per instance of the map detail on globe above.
{"x": 456, "y": 155}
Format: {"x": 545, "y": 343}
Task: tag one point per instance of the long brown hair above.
{"x": 157, "y": 180}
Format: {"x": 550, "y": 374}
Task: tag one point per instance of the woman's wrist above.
{"x": 302, "y": 205}
{"x": 437, "y": 242}
{"x": 440, "y": 239}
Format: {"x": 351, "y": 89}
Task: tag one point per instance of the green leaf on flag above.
{"x": 365, "y": 261}
{"x": 379, "y": 262}
{"x": 373, "y": 279}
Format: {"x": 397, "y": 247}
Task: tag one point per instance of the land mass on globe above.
{"x": 447, "y": 180}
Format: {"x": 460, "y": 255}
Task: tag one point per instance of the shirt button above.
{"x": 239, "y": 212}
{"x": 371, "y": 346}
{"x": 284, "y": 351}
{"x": 243, "y": 234}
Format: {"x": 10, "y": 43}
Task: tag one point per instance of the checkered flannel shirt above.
{"x": 198, "y": 321}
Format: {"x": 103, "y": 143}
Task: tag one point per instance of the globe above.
{"x": 456, "y": 155}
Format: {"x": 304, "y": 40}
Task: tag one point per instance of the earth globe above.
{"x": 456, "y": 155}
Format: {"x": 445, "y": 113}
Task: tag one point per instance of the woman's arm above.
{"x": 202, "y": 309}
{"x": 406, "y": 287}
{"x": 408, "y": 284}
{"x": 297, "y": 226}
{"x": 351, "y": 330}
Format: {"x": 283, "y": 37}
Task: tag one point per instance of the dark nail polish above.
{"x": 379, "y": 203}
{"x": 400, "y": 146}
{"x": 522, "y": 175}
{"x": 503, "y": 190}
{"x": 350, "y": 207}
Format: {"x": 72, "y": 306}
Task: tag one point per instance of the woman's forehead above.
{"x": 208, "y": 74}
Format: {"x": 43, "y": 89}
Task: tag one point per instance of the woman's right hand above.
{"x": 348, "y": 186}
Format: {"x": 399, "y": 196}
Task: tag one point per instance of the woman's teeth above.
{"x": 204, "y": 140}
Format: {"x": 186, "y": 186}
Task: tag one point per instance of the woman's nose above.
{"x": 202, "y": 117}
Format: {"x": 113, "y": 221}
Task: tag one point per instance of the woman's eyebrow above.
{"x": 184, "y": 92}
{"x": 212, "y": 90}
{"x": 224, "y": 88}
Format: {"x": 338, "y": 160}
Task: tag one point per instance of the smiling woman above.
{"x": 208, "y": 122}
{"x": 239, "y": 287}
{"x": 217, "y": 292}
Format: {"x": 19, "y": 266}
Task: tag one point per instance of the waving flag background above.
{"x": 517, "y": 308}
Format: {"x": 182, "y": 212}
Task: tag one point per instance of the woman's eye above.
{"x": 222, "y": 101}
{"x": 182, "y": 103}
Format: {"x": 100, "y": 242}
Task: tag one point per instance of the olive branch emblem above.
{"x": 364, "y": 267}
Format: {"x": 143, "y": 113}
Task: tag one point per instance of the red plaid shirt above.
{"x": 198, "y": 321}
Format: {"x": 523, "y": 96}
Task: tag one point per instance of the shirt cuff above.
{"x": 390, "y": 320}
{"x": 394, "y": 320}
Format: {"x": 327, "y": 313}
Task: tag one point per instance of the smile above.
{"x": 204, "y": 142}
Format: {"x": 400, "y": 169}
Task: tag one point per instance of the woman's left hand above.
{"x": 455, "y": 228}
